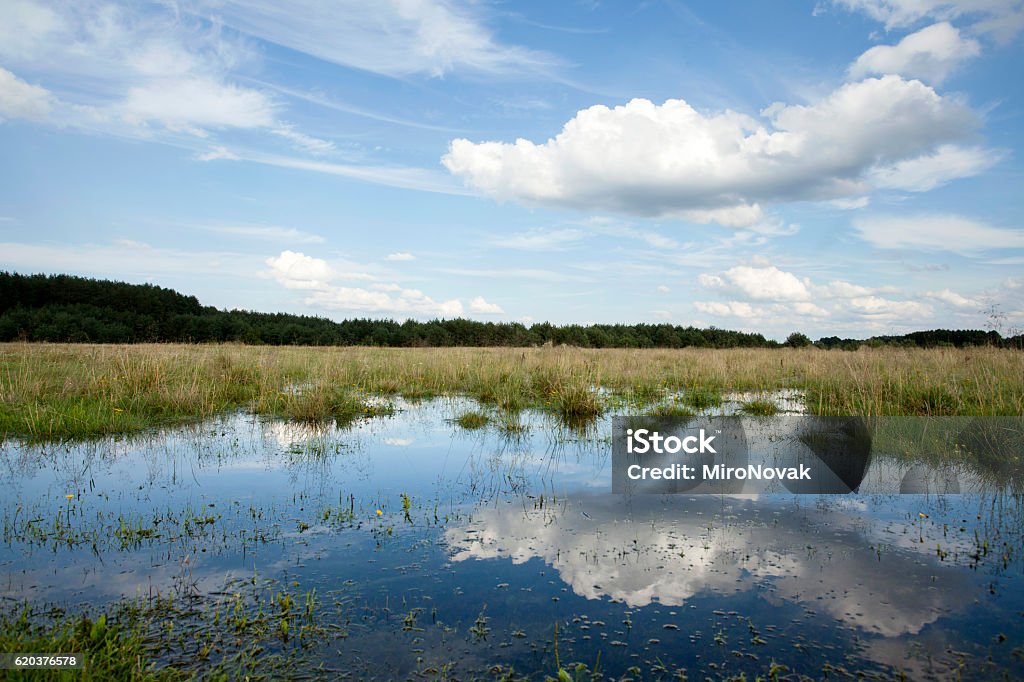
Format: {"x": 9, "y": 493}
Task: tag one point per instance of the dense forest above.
{"x": 65, "y": 308}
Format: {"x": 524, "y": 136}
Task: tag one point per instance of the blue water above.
{"x": 505, "y": 537}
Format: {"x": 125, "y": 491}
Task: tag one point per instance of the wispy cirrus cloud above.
{"x": 540, "y": 240}
{"x": 267, "y": 233}
{"x": 936, "y": 232}
{"x": 108, "y": 65}
{"x": 537, "y": 274}
{"x": 19, "y": 99}
{"x": 1002, "y": 19}
{"x": 404, "y": 177}
{"x": 389, "y": 37}
{"x": 216, "y": 153}
{"x": 153, "y": 74}
{"x": 924, "y": 173}
{"x": 313, "y": 145}
{"x": 119, "y": 258}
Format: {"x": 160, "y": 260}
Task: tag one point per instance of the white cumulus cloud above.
{"x": 672, "y": 160}
{"x": 930, "y": 54}
{"x": 874, "y": 306}
{"x": 400, "y": 256}
{"x": 295, "y": 270}
{"x": 790, "y": 295}
{"x": 840, "y": 289}
{"x": 404, "y": 301}
{"x": 481, "y": 306}
{"x": 728, "y": 309}
{"x": 759, "y": 283}
{"x": 807, "y": 308}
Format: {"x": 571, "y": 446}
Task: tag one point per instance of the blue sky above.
{"x": 848, "y": 167}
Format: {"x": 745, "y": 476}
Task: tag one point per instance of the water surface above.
{"x": 435, "y": 551}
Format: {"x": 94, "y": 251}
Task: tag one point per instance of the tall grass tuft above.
{"x": 312, "y": 404}
{"x": 760, "y": 408}
{"x": 472, "y": 419}
{"x": 702, "y": 397}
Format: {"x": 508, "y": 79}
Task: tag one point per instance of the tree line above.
{"x": 67, "y": 308}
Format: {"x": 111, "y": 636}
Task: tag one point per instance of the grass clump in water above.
{"x": 702, "y": 398}
{"x": 673, "y": 409}
{"x": 511, "y": 424}
{"x": 319, "y": 403}
{"x": 507, "y": 390}
{"x": 575, "y": 401}
{"x": 645, "y": 393}
{"x": 572, "y": 396}
{"x": 472, "y": 419}
{"x": 760, "y": 408}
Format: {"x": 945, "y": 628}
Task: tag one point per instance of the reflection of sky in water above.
{"x": 667, "y": 549}
{"x": 526, "y": 526}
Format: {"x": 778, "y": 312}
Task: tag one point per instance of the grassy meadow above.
{"x": 79, "y": 391}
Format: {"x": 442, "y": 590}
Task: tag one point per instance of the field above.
{"x": 75, "y": 391}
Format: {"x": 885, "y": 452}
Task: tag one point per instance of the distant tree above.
{"x": 797, "y": 340}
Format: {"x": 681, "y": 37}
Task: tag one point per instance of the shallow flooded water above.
{"x": 407, "y": 547}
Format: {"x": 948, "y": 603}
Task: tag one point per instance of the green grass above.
{"x": 114, "y": 648}
{"x": 472, "y": 419}
{"x": 58, "y": 391}
{"x": 760, "y": 408}
{"x": 575, "y": 400}
{"x": 318, "y": 403}
{"x": 673, "y": 409}
{"x": 254, "y": 631}
{"x": 511, "y": 424}
{"x": 702, "y": 398}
